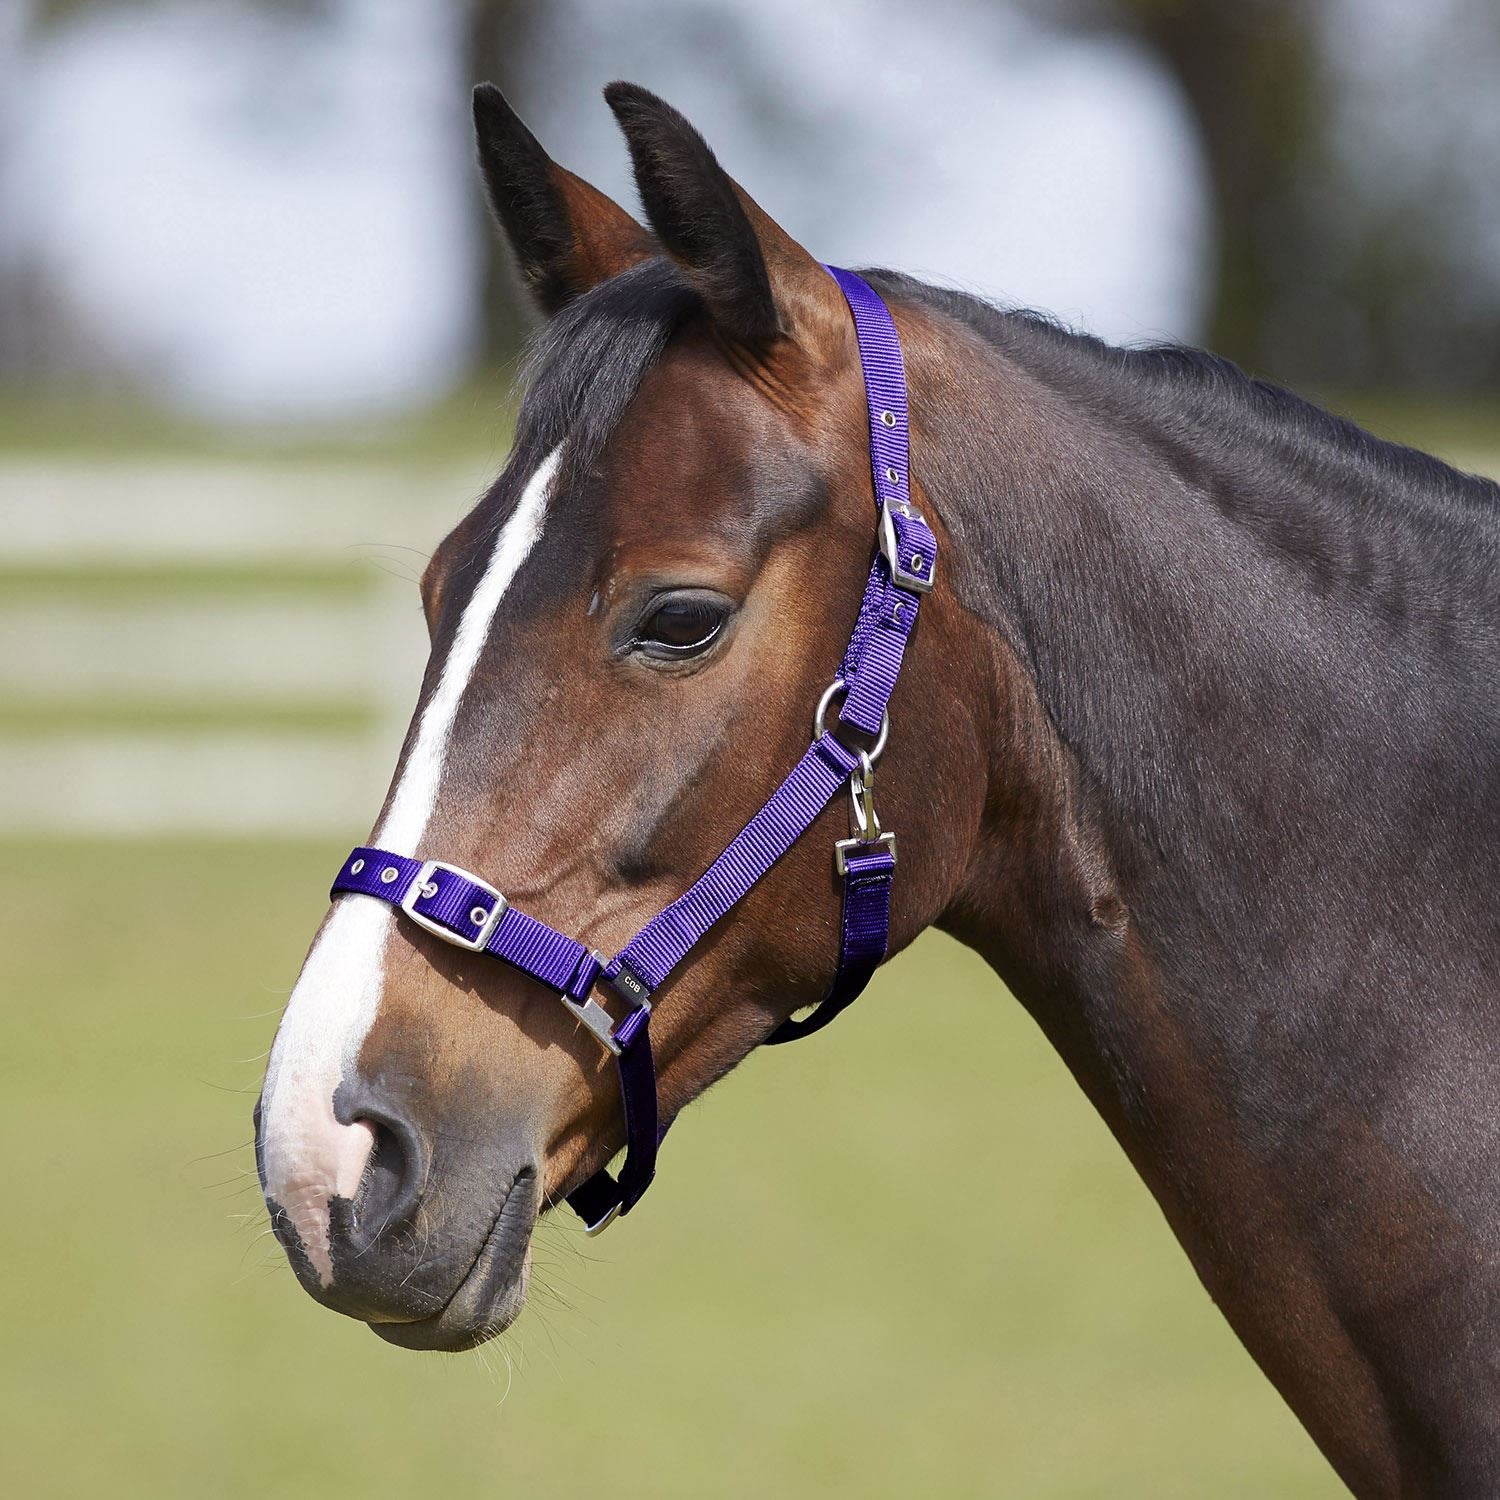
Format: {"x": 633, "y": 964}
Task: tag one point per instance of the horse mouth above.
{"x": 493, "y": 1291}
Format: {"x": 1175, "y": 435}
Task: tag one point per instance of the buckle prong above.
{"x": 424, "y": 888}
{"x": 911, "y": 572}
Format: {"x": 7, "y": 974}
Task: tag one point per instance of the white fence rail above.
{"x": 203, "y": 647}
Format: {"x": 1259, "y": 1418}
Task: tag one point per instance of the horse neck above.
{"x": 1208, "y": 865}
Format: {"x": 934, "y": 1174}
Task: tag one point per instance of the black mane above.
{"x": 1190, "y": 390}
{"x": 585, "y": 365}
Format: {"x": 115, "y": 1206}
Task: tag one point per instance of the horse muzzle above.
{"x": 431, "y": 1254}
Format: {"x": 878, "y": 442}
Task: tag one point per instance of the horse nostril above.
{"x": 394, "y": 1176}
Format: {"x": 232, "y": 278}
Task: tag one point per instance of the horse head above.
{"x": 629, "y": 634}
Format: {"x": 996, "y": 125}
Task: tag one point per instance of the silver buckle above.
{"x": 845, "y": 847}
{"x": 900, "y": 567}
{"x": 418, "y": 890}
{"x": 597, "y": 1019}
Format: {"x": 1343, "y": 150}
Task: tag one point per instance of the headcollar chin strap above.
{"x": 462, "y": 909}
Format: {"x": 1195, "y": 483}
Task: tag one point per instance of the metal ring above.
{"x": 837, "y": 686}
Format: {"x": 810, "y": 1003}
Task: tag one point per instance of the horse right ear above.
{"x": 567, "y": 236}
{"x": 758, "y": 284}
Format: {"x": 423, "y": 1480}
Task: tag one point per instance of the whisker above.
{"x": 193, "y": 1161}
{"x": 245, "y": 1061}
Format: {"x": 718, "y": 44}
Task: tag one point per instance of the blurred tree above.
{"x": 497, "y": 36}
{"x": 1327, "y": 268}
{"x": 1249, "y": 71}
{"x": 1318, "y": 276}
{"x": 50, "y": 12}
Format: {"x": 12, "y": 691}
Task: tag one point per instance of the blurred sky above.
{"x": 263, "y": 216}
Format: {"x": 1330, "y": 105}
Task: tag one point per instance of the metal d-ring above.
{"x": 834, "y": 688}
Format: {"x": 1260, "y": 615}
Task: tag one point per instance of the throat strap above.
{"x": 864, "y": 928}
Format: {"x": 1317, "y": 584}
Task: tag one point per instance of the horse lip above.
{"x": 490, "y": 1296}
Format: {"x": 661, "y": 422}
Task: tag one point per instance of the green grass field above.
{"x": 904, "y": 1259}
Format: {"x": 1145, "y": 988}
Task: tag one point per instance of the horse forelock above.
{"x": 586, "y": 363}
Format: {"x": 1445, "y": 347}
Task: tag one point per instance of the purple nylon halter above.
{"x": 462, "y": 909}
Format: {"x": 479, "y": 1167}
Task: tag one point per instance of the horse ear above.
{"x": 757, "y": 282}
{"x": 567, "y": 236}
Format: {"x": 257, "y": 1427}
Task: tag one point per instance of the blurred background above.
{"x": 256, "y": 346}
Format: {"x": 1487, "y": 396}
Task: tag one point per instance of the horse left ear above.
{"x": 757, "y": 282}
{"x": 566, "y": 234}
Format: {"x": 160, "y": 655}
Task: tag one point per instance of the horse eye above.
{"x": 680, "y": 627}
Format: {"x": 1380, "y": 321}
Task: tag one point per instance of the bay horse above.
{"x": 1197, "y": 743}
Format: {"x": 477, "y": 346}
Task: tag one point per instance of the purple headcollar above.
{"x": 462, "y": 909}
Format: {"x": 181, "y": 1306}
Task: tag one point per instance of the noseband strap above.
{"x": 463, "y": 909}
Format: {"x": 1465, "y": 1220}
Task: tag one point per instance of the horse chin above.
{"x": 489, "y": 1298}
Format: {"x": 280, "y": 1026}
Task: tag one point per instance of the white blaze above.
{"x": 309, "y": 1157}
